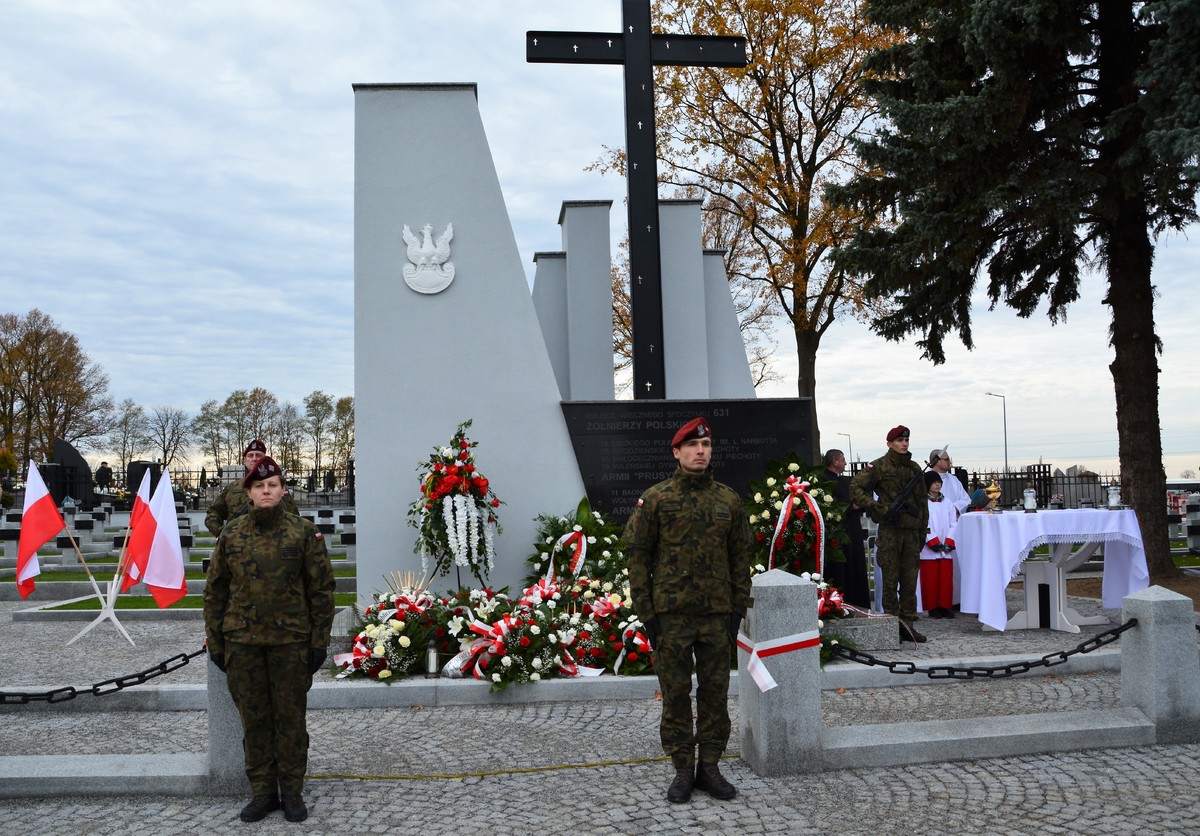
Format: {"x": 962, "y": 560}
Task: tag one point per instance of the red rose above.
{"x": 458, "y": 610}
{"x": 470, "y": 468}
{"x": 495, "y": 504}
{"x": 760, "y": 537}
{"x": 524, "y": 641}
{"x": 585, "y": 635}
{"x": 463, "y": 444}
{"x": 596, "y": 652}
{"x": 834, "y": 543}
{"x": 632, "y": 657}
{"x": 463, "y": 456}
{"x": 441, "y": 632}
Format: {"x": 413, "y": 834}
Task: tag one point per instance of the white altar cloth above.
{"x": 992, "y": 547}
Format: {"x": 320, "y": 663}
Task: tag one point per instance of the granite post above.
{"x": 226, "y": 760}
{"x": 781, "y": 728}
{"x": 1160, "y": 669}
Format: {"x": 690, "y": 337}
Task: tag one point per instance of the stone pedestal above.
{"x": 881, "y": 633}
{"x": 226, "y": 760}
{"x": 781, "y": 728}
{"x": 1160, "y": 669}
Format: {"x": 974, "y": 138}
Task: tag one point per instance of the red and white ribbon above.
{"x": 640, "y": 644}
{"x": 796, "y": 488}
{"x": 539, "y": 593}
{"x": 577, "y": 541}
{"x": 757, "y": 669}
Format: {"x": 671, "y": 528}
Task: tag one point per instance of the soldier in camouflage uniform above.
{"x": 901, "y": 534}
{"x": 688, "y": 544}
{"x": 233, "y": 501}
{"x": 268, "y": 612}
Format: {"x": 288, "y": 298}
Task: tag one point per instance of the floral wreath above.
{"x": 580, "y": 545}
{"x": 456, "y": 512}
{"x": 796, "y": 522}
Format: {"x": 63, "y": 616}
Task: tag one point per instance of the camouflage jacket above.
{"x": 886, "y": 477}
{"x": 688, "y": 544}
{"x": 234, "y": 502}
{"x": 269, "y": 582}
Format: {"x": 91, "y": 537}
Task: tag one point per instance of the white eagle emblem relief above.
{"x": 430, "y": 270}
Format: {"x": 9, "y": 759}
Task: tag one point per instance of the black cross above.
{"x": 640, "y": 51}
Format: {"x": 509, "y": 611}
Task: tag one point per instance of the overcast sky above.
{"x": 177, "y": 191}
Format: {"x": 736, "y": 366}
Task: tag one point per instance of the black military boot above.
{"x": 259, "y": 806}
{"x": 680, "y": 790}
{"x": 293, "y": 808}
{"x": 908, "y": 633}
{"x": 710, "y": 780}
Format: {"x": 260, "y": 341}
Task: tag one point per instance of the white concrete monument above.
{"x": 426, "y": 360}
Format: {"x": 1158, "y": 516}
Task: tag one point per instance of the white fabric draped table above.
{"x": 992, "y": 550}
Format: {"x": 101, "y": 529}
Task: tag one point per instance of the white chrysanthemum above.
{"x": 606, "y": 553}
{"x": 506, "y": 661}
{"x": 537, "y": 663}
{"x": 495, "y": 677}
{"x": 535, "y": 676}
{"x": 536, "y": 630}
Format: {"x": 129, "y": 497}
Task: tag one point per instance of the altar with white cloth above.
{"x": 993, "y": 547}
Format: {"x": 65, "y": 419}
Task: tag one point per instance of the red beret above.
{"x": 256, "y": 444}
{"x": 897, "y": 432}
{"x": 265, "y": 468}
{"x": 695, "y": 428}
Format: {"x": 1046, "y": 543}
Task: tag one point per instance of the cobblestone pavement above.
{"x": 592, "y": 767}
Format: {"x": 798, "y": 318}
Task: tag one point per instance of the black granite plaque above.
{"x": 624, "y": 447}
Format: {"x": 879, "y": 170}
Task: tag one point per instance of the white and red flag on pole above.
{"x": 156, "y": 554}
{"x": 40, "y": 521}
{"x": 135, "y": 563}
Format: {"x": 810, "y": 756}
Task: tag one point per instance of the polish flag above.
{"x": 40, "y": 521}
{"x": 135, "y": 564}
{"x": 156, "y": 536}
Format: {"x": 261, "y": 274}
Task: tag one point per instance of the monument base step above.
{"x": 75, "y": 775}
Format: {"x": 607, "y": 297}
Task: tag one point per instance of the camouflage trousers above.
{"x": 269, "y": 685}
{"x": 706, "y": 640}
{"x": 898, "y": 553}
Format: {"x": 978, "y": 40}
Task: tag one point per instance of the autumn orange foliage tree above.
{"x": 761, "y": 143}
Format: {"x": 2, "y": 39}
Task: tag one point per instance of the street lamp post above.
{"x": 1004, "y": 412}
{"x": 850, "y": 445}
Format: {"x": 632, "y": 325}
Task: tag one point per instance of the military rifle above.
{"x": 901, "y": 505}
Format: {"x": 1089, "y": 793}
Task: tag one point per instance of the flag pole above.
{"x": 115, "y": 589}
{"x": 106, "y": 604}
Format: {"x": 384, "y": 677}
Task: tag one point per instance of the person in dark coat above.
{"x": 849, "y": 577}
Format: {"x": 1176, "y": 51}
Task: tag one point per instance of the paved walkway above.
{"x": 591, "y": 767}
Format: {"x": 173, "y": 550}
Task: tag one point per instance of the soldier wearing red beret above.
{"x": 885, "y": 488}
{"x": 688, "y": 544}
{"x": 234, "y": 501}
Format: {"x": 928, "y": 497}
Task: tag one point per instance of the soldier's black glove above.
{"x": 218, "y": 659}
{"x": 735, "y": 622}
{"x": 652, "y": 632}
{"x": 316, "y": 658}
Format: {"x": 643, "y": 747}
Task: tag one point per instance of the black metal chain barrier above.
{"x": 100, "y": 689}
{"x": 950, "y": 672}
